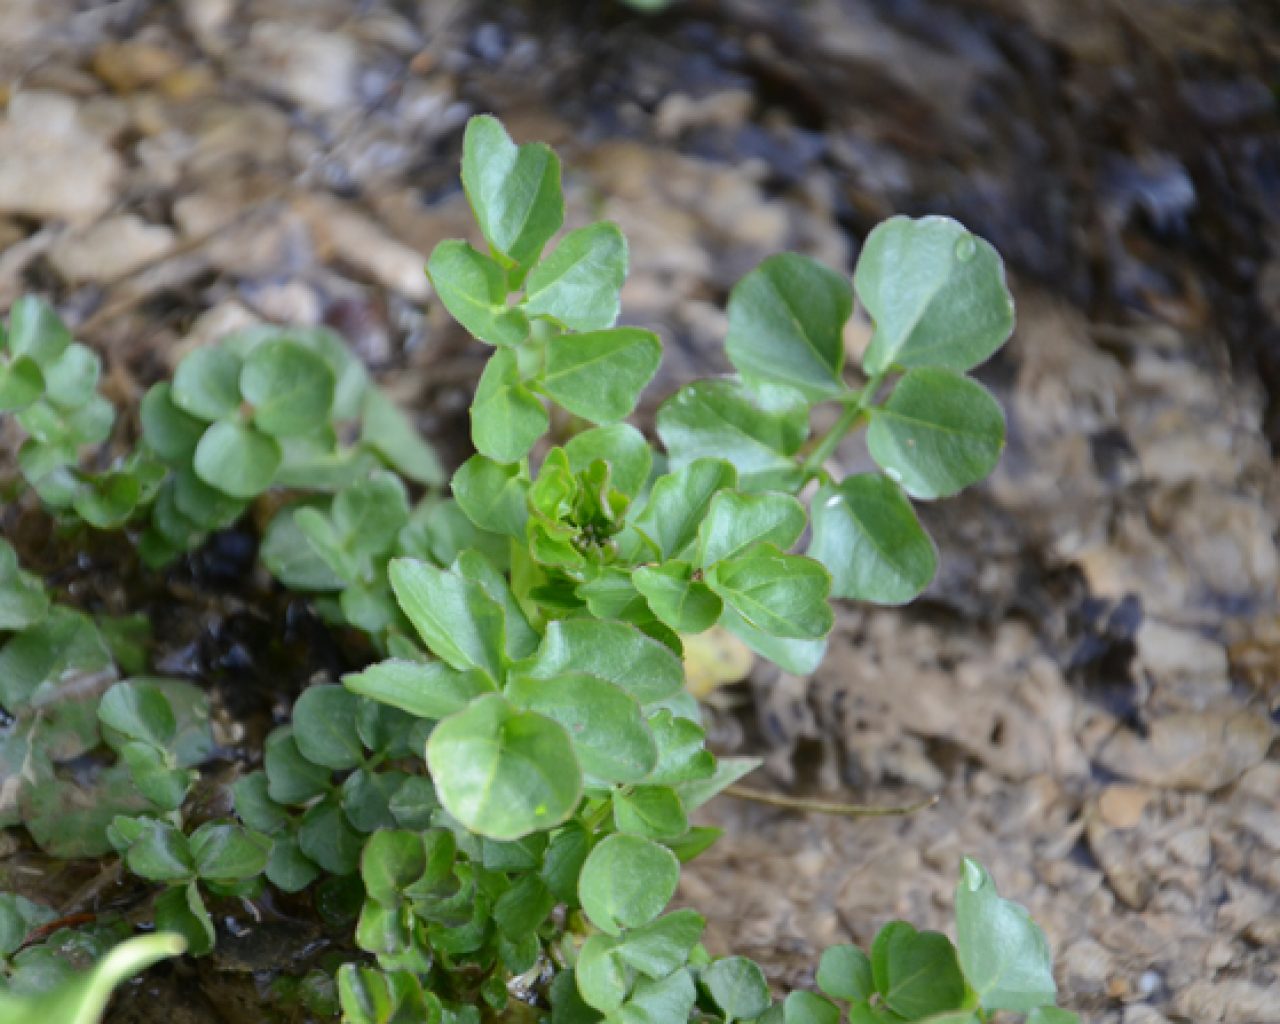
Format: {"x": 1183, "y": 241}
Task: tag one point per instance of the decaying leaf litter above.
{"x": 1089, "y": 686}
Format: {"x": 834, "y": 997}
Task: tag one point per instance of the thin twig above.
{"x": 839, "y": 810}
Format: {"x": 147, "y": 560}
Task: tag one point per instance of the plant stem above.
{"x": 793, "y": 803}
{"x": 848, "y": 419}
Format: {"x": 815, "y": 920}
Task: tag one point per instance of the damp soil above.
{"x": 1091, "y": 685}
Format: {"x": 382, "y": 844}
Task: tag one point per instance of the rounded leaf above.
{"x": 324, "y": 720}
{"x": 626, "y": 882}
{"x": 504, "y": 773}
{"x": 237, "y": 459}
{"x": 786, "y": 325}
{"x": 609, "y": 734}
{"x": 599, "y": 375}
{"x": 936, "y": 294}
{"x": 290, "y": 387}
{"x": 738, "y": 987}
{"x": 866, "y": 533}
{"x": 207, "y": 383}
{"x": 938, "y": 433}
{"x": 578, "y": 284}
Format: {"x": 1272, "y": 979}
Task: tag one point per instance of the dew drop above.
{"x": 966, "y": 249}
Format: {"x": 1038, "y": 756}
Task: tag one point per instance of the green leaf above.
{"x": 522, "y": 640}
{"x": 502, "y": 772}
{"x": 736, "y": 521}
{"x": 492, "y": 495}
{"x": 866, "y": 533}
{"x": 681, "y": 500}
{"x": 366, "y": 798}
{"x": 288, "y": 868}
{"x": 728, "y": 770}
{"x": 140, "y": 712}
{"x": 457, "y": 620}
{"x": 23, "y": 601}
{"x": 783, "y": 595}
{"x": 18, "y": 916}
{"x": 1004, "y": 954}
{"x": 291, "y": 558}
{"x": 514, "y": 190}
{"x": 654, "y": 812}
{"x": 21, "y": 383}
{"x": 936, "y": 294}
{"x": 578, "y": 284}
{"x": 324, "y": 727}
{"x": 389, "y": 432}
{"x": 290, "y": 387}
{"x": 206, "y": 384}
{"x": 71, "y": 379}
{"x": 521, "y": 909}
{"x": 660, "y": 947}
{"x": 562, "y": 864}
{"x": 657, "y": 1002}
{"x": 415, "y": 803}
{"x": 169, "y": 431}
{"x": 473, "y": 288}
{"x": 626, "y": 882}
{"x": 254, "y": 805}
{"x": 237, "y": 459}
{"x": 601, "y": 974}
{"x": 610, "y": 736}
{"x": 682, "y": 753}
{"x": 107, "y": 500}
{"x": 938, "y": 433}
{"x": 807, "y": 1008}
{"x": 83, "y": 998}
{"x": 390, "y": 863}
{"x": 60, "y": 647}
{"x": 916, "y": 973}
{"x": 370, "y": 514}
{"x": 786, "y": 324}
{"x": 163, "y": 785}
{"x": 685, "y": 604}
{"x": 599, "y": 375}
{"x": 160, "y": 853}
{"x": 430, "y": 690}
{"x": 620, "y": 445}
{"x": 844, "y": 972}
{"x": 328, "y": 838}
{"x": 738, "y": 987}
{"x": 506, "y": 417}
{"x": 614, "y": 651}
{"x": 36, "y": 331}
{"x": 225, "y": 852}
{"x": 291, "y": 778}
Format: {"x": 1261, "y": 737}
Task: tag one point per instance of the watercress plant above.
{"x": 499, "y": 809}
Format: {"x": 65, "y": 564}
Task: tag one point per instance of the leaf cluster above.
{"x": 498, "y": 810}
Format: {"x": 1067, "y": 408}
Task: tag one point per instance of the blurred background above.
{"x": 1091, "y": 685}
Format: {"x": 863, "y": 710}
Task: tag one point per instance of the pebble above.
{"x": 132, "y": 65}
{"x": 51, "y": 168}
{"x": 1203, "y": 751}
{"x": 111, "y": 249}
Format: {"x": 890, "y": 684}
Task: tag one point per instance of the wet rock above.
{"x": 314, "y": 69}
{"x": 1085, "y": 967}
{"x": 1121, "y": 806}
{"x": 1230, "y": 1001}
{"x": 50, "y": 166}
{"x": 110, "y": 249}
{"x": 129, "y": 66}
{"x": 1193, "y": 847}
{"x": 1203, "y": 751}
{"x": 363, "y": 245}
{"x": 1183, "y": 664}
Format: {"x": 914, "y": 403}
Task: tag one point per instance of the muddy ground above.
{"x": 1091, "y": 685}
